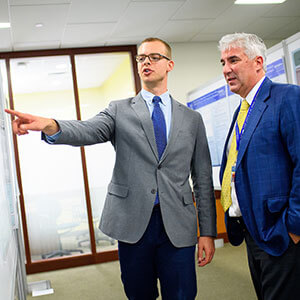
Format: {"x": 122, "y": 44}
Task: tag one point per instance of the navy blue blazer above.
{"x": 268, "y": 169}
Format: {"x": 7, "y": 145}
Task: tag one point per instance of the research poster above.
{"x": 296, "y": 65}
{"x": 5, "y": 219}
{"x": 276, "y": 64}
{"x": 216, "y": 108}
{"x": 8, "y": 243}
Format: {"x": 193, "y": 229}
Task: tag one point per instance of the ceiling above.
{"x": 83, "y": 23}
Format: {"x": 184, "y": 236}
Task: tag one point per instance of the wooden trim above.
{"x": 136, "y": 76}
{"x": 88, "y": 201}
{"x": 218, "y": 194}
{"x": 68, "y": 51}
{"x": 221, "y": 235}
{"x": 53, "y": 264}
{"x": 107, "y": 256}
{"x": 85, "y": 259}
{"x": 83, "y": 161}
{"x": 75, "y": 87}
{"x": 224, "y": 236}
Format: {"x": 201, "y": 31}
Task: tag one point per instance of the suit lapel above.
{"x": 176, "y": 122}
{"x": 254, "y": 118}
{"x": 140, "y": 107}
{"x": 224, "y": 157}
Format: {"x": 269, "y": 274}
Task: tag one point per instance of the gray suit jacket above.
{"x": 138, "y": 173}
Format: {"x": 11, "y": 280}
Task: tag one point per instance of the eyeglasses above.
{"x": 153, "y": 57}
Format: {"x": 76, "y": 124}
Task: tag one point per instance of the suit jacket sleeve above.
{"x": 290, "y": 132}
{"x": 98, "y": 129}
{"x": 201, "y": 173}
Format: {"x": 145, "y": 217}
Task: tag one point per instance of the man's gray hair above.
{"x": 251, "y": 43}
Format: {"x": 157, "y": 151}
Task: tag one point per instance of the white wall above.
{"x": 195, "y": 64}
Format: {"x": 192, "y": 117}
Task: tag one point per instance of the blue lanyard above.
{"x": 239, "y": 134}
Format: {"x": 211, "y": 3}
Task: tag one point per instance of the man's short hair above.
{"x": 251, "y": 43}
{"x": 154, "y": 39}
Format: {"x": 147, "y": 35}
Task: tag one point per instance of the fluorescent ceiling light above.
{"x": 4, "y": 25}
{"x": 259, "y": 1}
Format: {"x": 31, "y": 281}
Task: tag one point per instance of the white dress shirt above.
{"x": 234, "y": 209}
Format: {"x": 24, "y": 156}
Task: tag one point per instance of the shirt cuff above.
{"x": 51, "y": 139}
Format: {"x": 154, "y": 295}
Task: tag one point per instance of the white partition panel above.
{"x": 293, "y": 53}
{"x": 276, "y": 64}
{"x": 8, "y": 218}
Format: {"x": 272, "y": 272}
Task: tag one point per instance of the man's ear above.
{"x": 259, "y": 62}
{"x": 170, "y": 65}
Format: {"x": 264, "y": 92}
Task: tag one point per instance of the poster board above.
{"x": 216, "y": 104}
{"x": 293, "y": 57}
{"x": 8, "y": 208}
{"x": 276, "y": 64}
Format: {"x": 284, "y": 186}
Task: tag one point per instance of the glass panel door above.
{"x": 102, "y": 78}
{"x": 52, "y": 177}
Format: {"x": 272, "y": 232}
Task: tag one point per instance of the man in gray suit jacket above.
{"x": 149, "y": 205}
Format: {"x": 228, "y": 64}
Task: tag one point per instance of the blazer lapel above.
{"x": 177, "y": 117}
{"x": 140, "y": 107}
{"x": 224, "y": 156}
{"x": 257, "y": 112}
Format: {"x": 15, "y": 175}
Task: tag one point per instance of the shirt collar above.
{"x": 147, "y": 96}
{"x": 254, "y": 90}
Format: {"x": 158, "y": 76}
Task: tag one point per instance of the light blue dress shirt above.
{"x": 52, "y": 138}
{"x": 165, "y": 106}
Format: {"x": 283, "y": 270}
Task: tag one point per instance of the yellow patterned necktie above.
{"x": 226, "y": 200}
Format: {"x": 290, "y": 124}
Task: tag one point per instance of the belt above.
{"x": 240, "y": 221}
{"x": 156, "y": 206}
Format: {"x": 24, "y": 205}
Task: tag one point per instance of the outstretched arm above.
{"x": 25, "y": 122}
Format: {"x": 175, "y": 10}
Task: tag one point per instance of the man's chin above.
{"x": 233, "y": 88}
{"x": 147, "y": 79}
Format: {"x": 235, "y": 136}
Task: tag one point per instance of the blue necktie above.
{"x": 159, "y": 126}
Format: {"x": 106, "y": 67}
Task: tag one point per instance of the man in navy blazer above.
{"x": 265, "y": 189}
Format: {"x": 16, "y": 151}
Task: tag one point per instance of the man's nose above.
{"x": 147, "y": 61}
{"x": 226, "y": 68}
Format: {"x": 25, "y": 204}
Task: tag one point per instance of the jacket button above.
{"x": 153, "y": 191}
{"x": 159, "y": 167}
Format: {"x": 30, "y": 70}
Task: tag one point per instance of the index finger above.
{"x": 14, "y": 113}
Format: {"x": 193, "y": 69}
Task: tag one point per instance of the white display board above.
{"x": 216, "y": 107}
{"x": 293, "y": 52}
{"x": 276, "y": 64}
{"x": 8, "y": 198}
{"x": 216, "y": 104}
